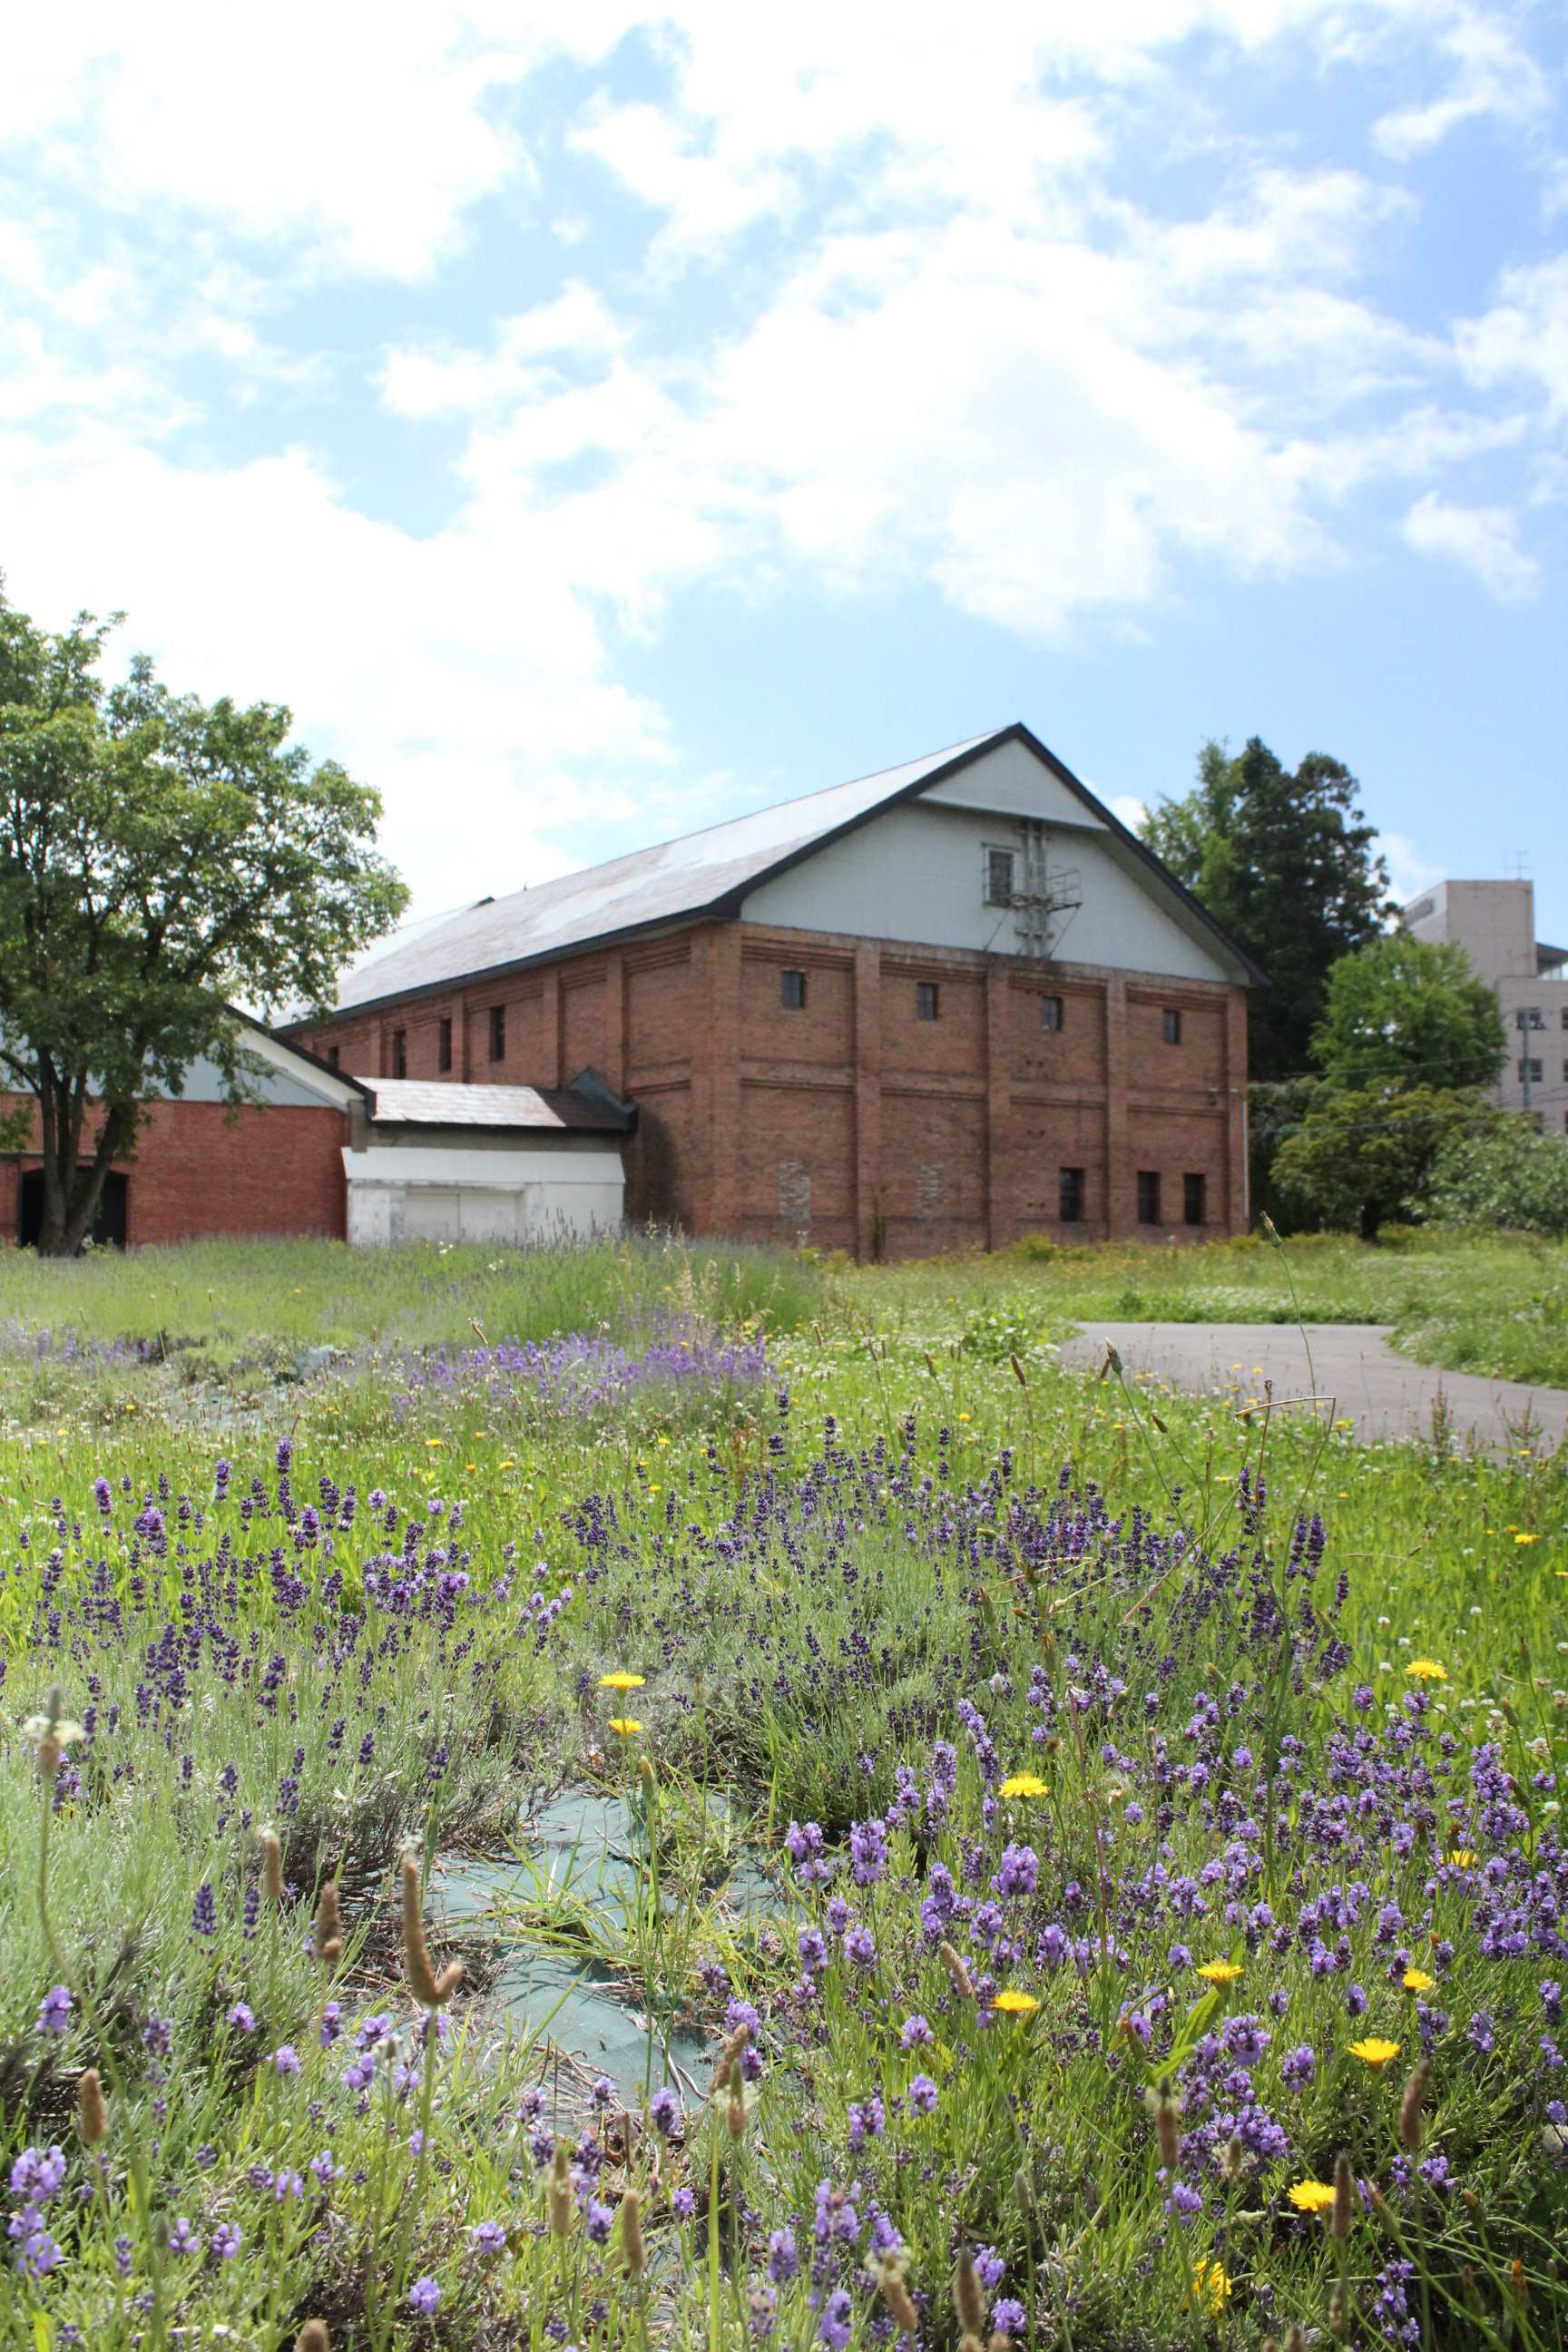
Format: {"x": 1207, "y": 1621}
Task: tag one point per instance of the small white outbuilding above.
{"x": 442, "y": 1163}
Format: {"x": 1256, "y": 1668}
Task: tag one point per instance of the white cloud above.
{"x": 1132, "y": 812}
{"x": 1409, "y": 872}
{"x": 1524, "y": 336}
{"x": 1483, "y": 539}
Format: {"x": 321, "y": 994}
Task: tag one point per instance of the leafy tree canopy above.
{"x": 1404, "y": 1011}
{"x": 158, "y": 857}
{"x": 1285, "y": 863}
{"x": 1508, "y": 1175}
{"x": 1366, "y": 1158}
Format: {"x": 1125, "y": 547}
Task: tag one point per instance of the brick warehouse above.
{"x": 948, "y": 1005}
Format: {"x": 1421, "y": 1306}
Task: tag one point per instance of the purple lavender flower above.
{"x": 922, "y": 2096}
{"x": 487, "y": 2239}
{"x": 54, "y": 2011}
{"x": 226, "y": 2240}
{"x": 426, "y": 2297}
{"x": 914, "y": 2030}
{"x": 183, "y": 2237}
{"x": 665, "y": 2109}
{"x": 783, "y": 2261}
{"x": 683, "y": 2204}
{"x": 286, "y": 2059}
{"x": 837, "y": 2323}
{"x": 1008, "y": 2316}
{"x": 989, "y": 2268}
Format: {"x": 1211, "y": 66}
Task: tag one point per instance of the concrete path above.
{"x": 1382, "y": 1392}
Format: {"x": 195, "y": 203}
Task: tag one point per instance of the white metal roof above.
{"x": 418, "y": 1102}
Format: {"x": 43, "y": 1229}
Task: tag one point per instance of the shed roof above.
{"x": 587, "y": 1104}
{"x": 703, "y": 874}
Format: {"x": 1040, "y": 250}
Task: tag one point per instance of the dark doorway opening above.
{"x": 109, "y": 1226}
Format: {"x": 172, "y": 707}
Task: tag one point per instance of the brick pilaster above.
{"x": 867, "y": 1098}
{"x": 1120, "y": 1190}
{"x": 998, "y": 1105}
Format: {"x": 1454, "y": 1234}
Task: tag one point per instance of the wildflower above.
{"x": 1008, "y": 2316}
{"x": 183, "y": 2239}
{"x": 286, "y": 2059}
{"x": 627, "y": 1725}
{"x": 425, "y": 2296}
{"x": 1418, "y": 1980}
{"x": 1014, "y": 2004}
{"x": 665, "y": 2109}
{"x": 1462, "y": 1858}
{"x": 1024, "y": 1784}
{"x": 1428, "y": 1670}
{"x": 621, "y": 1681}
{"x": 1312, "y": 2196}
{"x": 204, "y": 1912}
{"x": 1219, "y": 1972}
{"x": 599, "y": 2218}
{"x": 837, "y": 2322}
{"x": 54, "y": 2011}
{"x": 783, "y": 2261}
{"x": 1211, "y": 2288}
{"x": 1374, "y": 2050}
{"x": 914, "y": 2030}
{"x": 922, "y": 2096}
{"x": 967, "y": 2301}
{"x": 430, "y": 1990}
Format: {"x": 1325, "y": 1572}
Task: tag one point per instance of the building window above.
{"x": 1565, "y": 1016}
{"x": 795, "y": 1192}
{"x": 925, "y": 1000}
{"x": 1051, "y": 1012}
{"x": 498, "y": 1033}
{"x": 1531, "y": 1069}
{"x": 400, "y": 1053}
{"x": 443, "y": 1045}
{"x": 999, "y": 878}
{"x": 792, "y": 991}
{"x": 1171, "y": 1030}
{"x": 332, "y": 1057}
{"x": 1148, "y": 1196}
{"x": 1193, "y": 1211}
{"x": 1071, "y": 1196}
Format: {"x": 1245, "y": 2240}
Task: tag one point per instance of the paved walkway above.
{"x": 1372, "y": 1386}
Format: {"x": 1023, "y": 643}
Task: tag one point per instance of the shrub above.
{"x": 1513, "y": 1176}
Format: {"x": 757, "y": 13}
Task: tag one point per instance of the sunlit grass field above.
{"x": 1034, "y": 1802}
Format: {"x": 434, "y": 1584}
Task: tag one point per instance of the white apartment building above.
{"x": 1494, "y": 922}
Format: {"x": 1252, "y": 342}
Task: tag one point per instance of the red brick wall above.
{"x": 910, "y": 1136}
{"x": 198, "y": 1171}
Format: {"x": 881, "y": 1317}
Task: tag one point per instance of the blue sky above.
{"x": 596, "y": 423}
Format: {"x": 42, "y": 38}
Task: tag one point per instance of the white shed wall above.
{"x": 432, "y": 1193}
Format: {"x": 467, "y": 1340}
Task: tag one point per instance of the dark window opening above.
{"x": 1148, "y": 1196}
{"x": 792, "y": 991}
{"x": 998, "y": 877}
{"x": 107, "y": 1226}
{"x": 1530, "y": 1069}
{"x": 443, "y": 1045}
{"x": 498, "y": 1033}
{"x": 400, "y": 1053}
{"x": 1194, "y": 1191}
{"x": 925, "y": 1000}
{"x": 1071, "y": 1202}
{"x": 331, "y": 1057}
{"x": 1171, "y": 1027}
{"x": 1051, "y": 1012}
{"x": 1565, "y": 1016}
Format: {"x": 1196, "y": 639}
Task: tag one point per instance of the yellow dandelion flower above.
{"x": 1312, "y": 2196}
{"x": 1219, "y": 1972}
{"x": 624, "y": 1723}
{"x": 1418, "y": 1980}
{"x": 621, "y": 1680}
{"x": 1524, "y": 1538}
{"x": 1023, "y": 1784}
{"x": 1428, "y": 1670}
{"x": 1461, "y": 1858}
{"x": 1211, "y": 2287}
{"x": 1013, "y": 2003}
{"x": 1376, "y": 2050}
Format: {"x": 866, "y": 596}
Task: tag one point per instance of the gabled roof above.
{"x": 707, "y": 873}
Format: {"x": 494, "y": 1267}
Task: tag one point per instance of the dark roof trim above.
{"x": 727, "y": 907}
{"x": 303, "y": 1054}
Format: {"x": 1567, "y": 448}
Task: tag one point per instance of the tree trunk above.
{"x": 72, "y": 1192}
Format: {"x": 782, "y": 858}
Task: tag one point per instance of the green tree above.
{"x": 1510, "y": 1175}
{"x": 1285, "y": 863}
{"x": 160, "y": 857}
{"x": 1404, "y": 1011}
{"x": 1365, "y": 1158}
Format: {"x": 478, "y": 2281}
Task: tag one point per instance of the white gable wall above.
{"x": 917, "y": 874}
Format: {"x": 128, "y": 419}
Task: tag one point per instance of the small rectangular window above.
{"x": 332, "y": 1057}
{"x": 1170, "y": 1028}
{"x": 1071, "y": 1196}
{"x": 1148, "y": 1196}
{"x": 443, "y": 1045}
{"x": 1194, "y": 1189}
{"x": 498, "y": 1033}
{"x": 400, "y": 1053}
{"x": 998, "y": 877}
{"x": 1565, "y": 1016}
{"x": 792, "y": 991}
{"x": 925, "y": 1000}
{"x": 1051, "y": 1013}
{"x": 1530, "y": 1069}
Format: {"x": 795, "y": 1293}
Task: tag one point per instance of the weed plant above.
{"x": 1160, "y": 1805}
